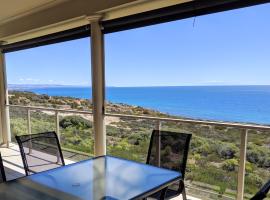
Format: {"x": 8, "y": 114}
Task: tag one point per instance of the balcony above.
{"x": 127, "y": 148}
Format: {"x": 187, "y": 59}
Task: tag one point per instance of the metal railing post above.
{"x": 57, "y": 129}
{"x": 29, "y": 128}
{"x": 158, "y": 127}
{"x": 242, "y": 163}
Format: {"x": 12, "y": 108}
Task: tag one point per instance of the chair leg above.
{"x": 184, "y": 195}
{"x": 163, "y": 193}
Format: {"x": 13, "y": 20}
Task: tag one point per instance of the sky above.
{"x": 228, "y": 48}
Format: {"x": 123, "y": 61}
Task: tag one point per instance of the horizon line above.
{"x": 61, "y": 85}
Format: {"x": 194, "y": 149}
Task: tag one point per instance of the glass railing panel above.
{"x": 18, "y": 122}
{"x": 128, "y": 138}
{"x": 213, "y": 159}
{"x": 42, "y": 121}
{"x": 258, "y": 161}
{"x": 74, "y": 130}
{"x": 76, "y": 136}
{"x": 213, "y": 155}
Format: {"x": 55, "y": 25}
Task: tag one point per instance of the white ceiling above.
{"x": 12, "y": 9}
{"x": 25, "y": 19}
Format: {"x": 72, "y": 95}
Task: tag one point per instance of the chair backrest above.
{"x": 40, "y": 152}
{"x": 263, "y": 192}
{"x": 2, "y": 171}
{"x": 173, "y": 150}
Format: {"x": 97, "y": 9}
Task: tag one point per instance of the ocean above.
{"x": 227, "y": 103}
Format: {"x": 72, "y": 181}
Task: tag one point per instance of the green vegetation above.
{"x": 230, "y": 165}
{"x": 75, "y": 121}
{"x": 214, "y": 151}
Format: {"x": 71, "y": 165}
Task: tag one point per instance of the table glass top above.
{"x": 100, "y": 178}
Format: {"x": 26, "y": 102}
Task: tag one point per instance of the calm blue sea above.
{"x": 228, "y": 103}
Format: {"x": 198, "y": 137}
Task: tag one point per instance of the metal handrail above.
{"x": 50, "y": 109}
{"x": 165, "y": 119}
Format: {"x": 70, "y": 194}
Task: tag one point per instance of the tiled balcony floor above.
{"x": 13, "y": 162}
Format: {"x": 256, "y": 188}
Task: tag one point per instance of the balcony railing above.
{"x": 158, "y": 122}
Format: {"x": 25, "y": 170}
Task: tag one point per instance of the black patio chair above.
{"x": 169, "y": 150}
{"x": 40, "y": 152}
{"x": 263, "y": 192}
{"x": 2, "y": 171}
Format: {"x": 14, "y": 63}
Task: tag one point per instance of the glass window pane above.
{"x": 213, "y": 67}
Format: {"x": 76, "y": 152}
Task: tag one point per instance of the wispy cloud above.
{"x": 29, "y": 80}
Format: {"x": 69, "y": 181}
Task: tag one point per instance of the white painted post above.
{"x": 242, "y": 164}
{"x": 98, "y": 85}
{"x": 158, "y": 127}
{"x": 4, "y": 110}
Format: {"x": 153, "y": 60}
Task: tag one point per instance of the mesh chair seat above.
{"x": 2, "y": 171}
{"x": 169, "y": 150}
{"x": 40, "y": 152}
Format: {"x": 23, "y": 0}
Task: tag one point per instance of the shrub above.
{"x": 137, "y": 138}
{"x": 226, "y": 150}
{"x": 258, "y": 155}
{"x": 230, "y": 165}
{"x": 200, "y": 145}
{"x": 76, "y": 121}
{"x": 222, "y": 190}
{"x": 249, "y": 167}
{"x": 255, "y": 179}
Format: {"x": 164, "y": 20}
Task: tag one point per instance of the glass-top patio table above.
{"x": 99, "y": 178}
